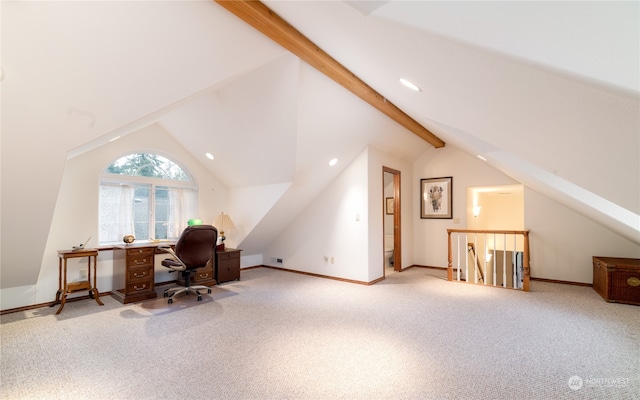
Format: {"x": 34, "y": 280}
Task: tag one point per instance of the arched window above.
{"x": 146, "y": 195}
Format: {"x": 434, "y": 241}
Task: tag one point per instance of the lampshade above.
{"x": 223, "y": 223}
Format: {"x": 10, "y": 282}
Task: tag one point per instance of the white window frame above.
{"x": 153, "y": 183}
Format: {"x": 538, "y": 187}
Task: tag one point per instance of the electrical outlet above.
{"x": 83, "y": 275}
{"x": 332, "y": 260}
{"x": 326, "y": 259}
{"x": 279, "y": 260}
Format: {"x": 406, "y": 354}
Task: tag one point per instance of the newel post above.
{"x": 526, "y": 266}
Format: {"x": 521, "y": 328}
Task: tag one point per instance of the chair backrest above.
{"x": 196, "y": 245}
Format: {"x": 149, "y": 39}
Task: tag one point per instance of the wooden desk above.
{"x": 65, "y": 288}
{"x": 134, "y": 270}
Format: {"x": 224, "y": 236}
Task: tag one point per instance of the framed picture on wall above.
{"x": 389, "y": 205}
{"x": 436, "y": 198}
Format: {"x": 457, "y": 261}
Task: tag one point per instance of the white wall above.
{"x": 430, "y": 235}
{"x": 562, "y": 241}
{"x": 329, "y": 226}
{"x": 247, "y": 207}
{"x": 76, "y": 213}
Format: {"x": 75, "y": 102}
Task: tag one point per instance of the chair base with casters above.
{"x": 187, "y": 288}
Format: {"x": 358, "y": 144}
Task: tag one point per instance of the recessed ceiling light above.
{"x": 410, "y": 85}
{"x": 114, "y": 139}
{"x": 209, "y": 156}
{"x": 482, "y": 158}
{"x": 333, "y": 162}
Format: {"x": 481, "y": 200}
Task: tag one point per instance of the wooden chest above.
{"x": 617, "y": 279}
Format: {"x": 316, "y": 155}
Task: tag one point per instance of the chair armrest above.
{"x": 169, "y": 250}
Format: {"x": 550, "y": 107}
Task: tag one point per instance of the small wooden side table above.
{"x": 227, "y": 265}
{"x": 65, "y": 288}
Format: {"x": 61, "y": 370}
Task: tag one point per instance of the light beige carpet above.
{"x": 281, "y": 335}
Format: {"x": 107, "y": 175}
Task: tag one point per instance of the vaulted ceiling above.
{"x": 447, "y": 48}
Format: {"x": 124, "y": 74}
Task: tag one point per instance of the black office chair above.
{"x": 194, "y": 249}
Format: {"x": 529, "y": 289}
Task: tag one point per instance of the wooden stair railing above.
{"x": 526, "y": 268}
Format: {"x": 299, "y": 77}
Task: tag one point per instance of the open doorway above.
{"x": 492, "y": 208}
{"x": 391, "y": 217}
{"x": 495, "y": 207}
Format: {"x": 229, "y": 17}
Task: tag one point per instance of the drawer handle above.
{"x": 138, "y": 275}
{"x": 633, "y": 281}
{"x": 140, "y": 288}
{"x": 144, "y": 261}
{"x": 205, "y": 275}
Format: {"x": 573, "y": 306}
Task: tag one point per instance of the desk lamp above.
{"x": 223, "y": 223}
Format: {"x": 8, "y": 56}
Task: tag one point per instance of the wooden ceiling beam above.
{"x": 280, "y": 31}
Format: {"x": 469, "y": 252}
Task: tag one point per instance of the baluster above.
{"x": 449, "y": 257}
{"x": 475, "y": 256}
{"x": 484, "y": 259}
{"x": 458, "y": 255}
{"x": 525, "y": 262}
{"x": 515, "y": 270}
{"x": 504, "y": 260}
{"x": 519, "y": 259}
{"x": 466, "y": 258}
{"x": 494, "y": 260}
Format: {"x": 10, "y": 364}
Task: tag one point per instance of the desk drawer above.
{"x": 140, "y": 261}
{"x": 203, "y": 275}
{"x": 228, "y": 270}
{"x": 139, "y": 287}
{"x": 140, "y": 251}
{"x": 230, "y": 255}
{"x": 140, "y": 274}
